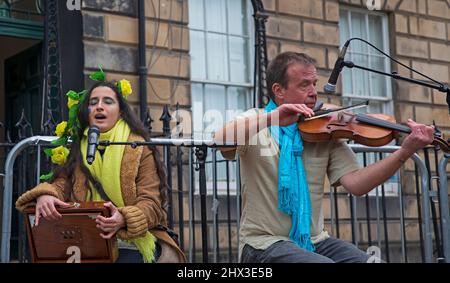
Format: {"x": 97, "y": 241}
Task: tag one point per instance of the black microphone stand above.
{"x": 442, "y": 87}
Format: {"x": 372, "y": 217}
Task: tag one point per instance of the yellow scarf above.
{"x": 107, "y": 171}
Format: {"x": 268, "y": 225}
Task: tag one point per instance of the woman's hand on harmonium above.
{"x": 46, "y": 207}
{"x": 110, "y": 225}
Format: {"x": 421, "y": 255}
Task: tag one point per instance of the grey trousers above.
{"x": 330, "y": 250}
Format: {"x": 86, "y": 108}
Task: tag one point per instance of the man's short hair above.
{"x": 277, "y": 69}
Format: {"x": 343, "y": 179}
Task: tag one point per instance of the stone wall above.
{"x": 309, "y": 26}
{"x": 111, "y": 40}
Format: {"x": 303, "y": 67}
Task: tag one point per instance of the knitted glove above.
{"x": 136, "y": 223}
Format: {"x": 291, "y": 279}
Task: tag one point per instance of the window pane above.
{"x": 214, "y": 106}
{"x": 346, "y": 77}
{"x": 215, "y": 16}
{"x": 196, "y": 19}
{"x": 344, "y": 27}
{"x": 361, "y": 77}
{"x": 197, "y": 47}
{"x": 238, "y": 66}
{"x": 378, "y": 81}
{"x": 358, "y": 29}
{"x": 197, "y": 110}
{"x": 221, "y": 172}
{"x": 217, "y": 57}
{"x": 236, "y": 17}
{"x": 376, "y": 33}
{"x": 237, "y": 102}
{"x": 374, "y": 106}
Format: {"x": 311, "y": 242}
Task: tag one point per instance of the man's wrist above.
{"x": 404, "y": 154}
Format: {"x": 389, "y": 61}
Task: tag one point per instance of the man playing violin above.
{"x": 283, "y": 177}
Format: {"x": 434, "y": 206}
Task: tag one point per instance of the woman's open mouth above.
{"x": 100, "y": 117}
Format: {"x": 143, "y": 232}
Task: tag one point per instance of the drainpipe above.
{"x": 142, "y": 71}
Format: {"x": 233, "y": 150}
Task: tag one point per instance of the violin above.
{"x": 366, "y": 129}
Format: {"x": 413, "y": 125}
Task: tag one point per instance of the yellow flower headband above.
{"x": 123, "y": 86}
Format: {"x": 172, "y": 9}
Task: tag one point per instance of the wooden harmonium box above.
{"x": 73, "y": 238}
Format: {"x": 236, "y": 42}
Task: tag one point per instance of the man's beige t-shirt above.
{"x": 262, "y": 223}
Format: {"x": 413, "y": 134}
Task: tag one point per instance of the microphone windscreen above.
{"x": 329, "y": 88}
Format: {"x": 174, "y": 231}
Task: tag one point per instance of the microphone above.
{"x": 93, "y": 134}
{"x": 330, "y": 87}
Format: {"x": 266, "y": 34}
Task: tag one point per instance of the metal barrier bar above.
{"x": 167, "y": 159}
{"x": 238, "y": 201}
{"x": 419, "y": 211}
{"x": 180, "y": 195}
{"x": 369, "y": 230}
{"x": 332, "y": 216}
{"x": 385, "y": 225}
{"x": 201, "y": 153}
{"x": 191, "y": 207}
{"x": 428, "y": 243}
{"x": 336, "y": 210}
{"x": 402, "y": 225}
{"x": 443, "y": 202}
{"x": 8, "y": 190}
{"x": 215, "y": 207}
{"x": 433, "y": 199}
{"x": 377, "y": 204}
{"x": 353, "y": 217}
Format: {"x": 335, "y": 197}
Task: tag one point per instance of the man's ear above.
{"x": 278, "y": 91}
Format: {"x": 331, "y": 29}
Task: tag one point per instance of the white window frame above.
{"x": 392, "y": 185}
{"x": 222, "y": 184}
{"x": 386, "y": 102}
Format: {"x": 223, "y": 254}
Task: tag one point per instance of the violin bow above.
{"x": 323, "y": 113}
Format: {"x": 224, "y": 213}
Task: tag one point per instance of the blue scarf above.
{"x": 293, "y": 192}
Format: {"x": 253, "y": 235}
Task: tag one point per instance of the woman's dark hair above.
{"x": 136, "y": 126}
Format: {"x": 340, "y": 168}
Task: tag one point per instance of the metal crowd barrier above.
{"x": 201, "y": 147}
{"x": 444, "y": 205}
{"x": 426, "y": 227}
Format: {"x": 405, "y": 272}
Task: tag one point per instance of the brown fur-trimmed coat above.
{"x": 140, "y": 191}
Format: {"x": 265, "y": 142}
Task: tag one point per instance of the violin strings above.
{"x": 382, "y": 123}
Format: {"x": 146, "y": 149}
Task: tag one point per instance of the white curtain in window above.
{"x": 356, "y": 82}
